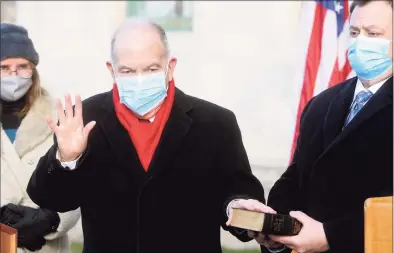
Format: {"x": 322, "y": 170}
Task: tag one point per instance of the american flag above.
{"x": 323, "y": 45}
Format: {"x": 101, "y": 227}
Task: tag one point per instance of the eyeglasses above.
{"x": 22, "y": 71}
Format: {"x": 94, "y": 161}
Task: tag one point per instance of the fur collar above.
{"x": 34, "y": 128}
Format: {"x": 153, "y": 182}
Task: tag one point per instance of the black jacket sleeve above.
{"x": 238, "y": 180}
{"x": 57, "y": 188}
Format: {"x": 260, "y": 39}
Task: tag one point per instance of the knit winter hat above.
{"x": 15, "y": 43}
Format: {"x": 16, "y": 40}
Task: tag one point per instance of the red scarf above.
{"x": 144, "y": 134}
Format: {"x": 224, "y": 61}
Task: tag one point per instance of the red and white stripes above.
{"x": 322, "y": 52}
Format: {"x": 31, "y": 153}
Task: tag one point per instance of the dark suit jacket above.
{"x": 334, "y": 171}
{"x": 177, "y": 206}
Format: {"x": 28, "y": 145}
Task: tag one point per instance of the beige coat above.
{"x": 33, "y": 139}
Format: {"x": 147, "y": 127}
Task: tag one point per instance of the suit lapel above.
{"x": 174, "y": 132}
{"x": 337, "y": 112}
{"x": 118, "y": 137}
{"x": 381, "y": 99}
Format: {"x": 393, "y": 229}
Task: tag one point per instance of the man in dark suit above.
{"x": 152, "y": 169}
{"x": 344, "y": 152}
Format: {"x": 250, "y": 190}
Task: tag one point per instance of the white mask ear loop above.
{"x": 388, "y": 48}
{"x": 165, "y": 74}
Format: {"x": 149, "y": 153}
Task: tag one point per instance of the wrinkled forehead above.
{"x": 138, "y": 48}
{"x": 378, "y": 13}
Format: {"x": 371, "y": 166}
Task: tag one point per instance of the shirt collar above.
{"x": 374, "y": 88}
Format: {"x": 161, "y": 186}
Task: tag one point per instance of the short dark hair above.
{"x": 362, "y": 3}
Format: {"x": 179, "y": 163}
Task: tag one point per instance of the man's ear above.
{"x": 110, "y": 68}
{"x": 171, "y": 68}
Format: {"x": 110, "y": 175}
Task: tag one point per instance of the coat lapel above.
{"x": 117, "y": 135}
{"x": 382, "y": 98}
{"x": 337, "y": 112}
{"x": 174, "y": 132}
{"x": 13, "y": 163}
{"x": 34, "y": 129}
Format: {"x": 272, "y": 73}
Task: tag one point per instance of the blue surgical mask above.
{"x": 142, "y": 93}
{"x": 369, "y": 57}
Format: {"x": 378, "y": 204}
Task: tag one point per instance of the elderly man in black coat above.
{"x": 152, "y": 169}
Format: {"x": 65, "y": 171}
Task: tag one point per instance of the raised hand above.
{"x": 71, "y": 134}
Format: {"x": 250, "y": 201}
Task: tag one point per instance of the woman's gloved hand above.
{"x": 32, "y": 243}
{"x": 9, "y": 217}
{"x": 34, "y": 225}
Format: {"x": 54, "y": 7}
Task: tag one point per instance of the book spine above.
{"x": 276, "y": 224}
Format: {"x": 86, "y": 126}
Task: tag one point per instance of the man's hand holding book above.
{"x": 295, "y": 231}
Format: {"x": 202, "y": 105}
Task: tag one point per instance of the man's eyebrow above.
{"x": 370, "y": 27}
{"x": 353, "y": 28}
{"x": 124, "y": 67}
{"x": 154, "y": 65}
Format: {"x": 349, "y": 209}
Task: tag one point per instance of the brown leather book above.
{"x": 272, "y": 224}
{"x": 8, "y": 239}
{"x": 378, "y": 225}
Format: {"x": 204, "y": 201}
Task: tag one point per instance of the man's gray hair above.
{"x": 130, "y": 23}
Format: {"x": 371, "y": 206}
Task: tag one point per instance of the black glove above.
{"x": 32, "y": 242}
{"x": 9, "y": 217}
{"x": 35, "y": 224}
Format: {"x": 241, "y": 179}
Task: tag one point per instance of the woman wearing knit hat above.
{"x": 25, "y": 137}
